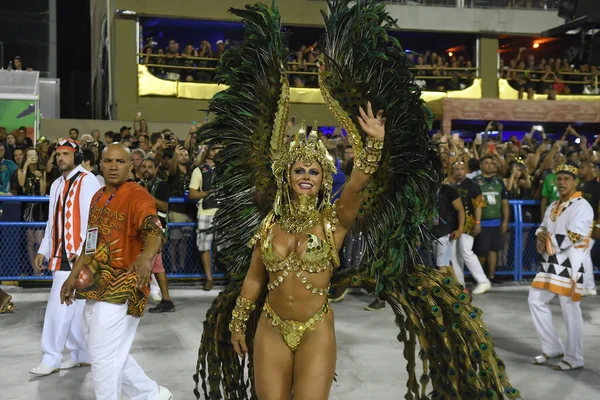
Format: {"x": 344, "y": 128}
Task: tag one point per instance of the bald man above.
{"x": 124, "y": 235}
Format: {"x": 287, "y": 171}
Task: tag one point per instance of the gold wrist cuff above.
{"x": 240, "y": 315}
{"x": 368, "y": 160}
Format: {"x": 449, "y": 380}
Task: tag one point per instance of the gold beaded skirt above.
{"x": 293, "y": 331}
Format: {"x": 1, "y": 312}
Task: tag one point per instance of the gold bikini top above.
{"x": 320, "y": 253}
{"x": 315, "y": 259}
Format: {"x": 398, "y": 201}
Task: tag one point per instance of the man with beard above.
{"x": 70, "y": 198}
{"x": 160, "y": 192}
{"x": 562, "y": 240}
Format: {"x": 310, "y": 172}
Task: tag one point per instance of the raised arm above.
{"x": 365, "y": 164}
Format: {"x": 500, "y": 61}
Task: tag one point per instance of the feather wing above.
{"x": 251, "y": 117}
{"x": 363, "y": 62}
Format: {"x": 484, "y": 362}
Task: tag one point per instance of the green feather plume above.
{"x": 363, "y": 62}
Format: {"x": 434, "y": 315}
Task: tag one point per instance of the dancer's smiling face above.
{"x": 306, "y": 179}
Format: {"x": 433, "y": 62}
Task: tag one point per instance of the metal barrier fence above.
{"x": 19, "y": 242}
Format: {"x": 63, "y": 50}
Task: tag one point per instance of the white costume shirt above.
{"x": 570, "y": 226}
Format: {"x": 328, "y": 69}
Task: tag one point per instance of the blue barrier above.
{"x": 19, "y": 241}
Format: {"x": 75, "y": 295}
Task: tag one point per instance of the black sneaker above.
{"x": 496, "y": 281}
{"x": 376, "y": 305}
{"x": 163, "y": 306}
{"x": 336, "y": 295}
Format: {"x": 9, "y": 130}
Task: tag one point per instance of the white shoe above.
{"x": 482, "y": 288}
{"x": 155, "y": 294}
{"x": 43, "y": 370}
{"x": 70, "y": 363}
{"x": 588, "y": 292}
{"x": 164, "y": 393}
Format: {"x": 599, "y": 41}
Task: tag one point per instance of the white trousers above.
{"x": 110, "y": 333}
{"x": 63, "y": 325}
{"x": 588, "y": 268}
{"x": 542, "y": 320}
{"x": 462, "y": 254}
{"x": 442, "y": 247}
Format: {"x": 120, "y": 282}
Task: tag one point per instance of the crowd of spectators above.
{"x": 525, "y": 165}
{"x": 537, "y": 4}
{"x": 435, "y": 71}
{"x": 550, "y": 76}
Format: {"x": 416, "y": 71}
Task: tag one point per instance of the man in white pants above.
{"x": 124, "y": 235}
{"x": 590, "y": 190}
{"x": 70, "y": 197}
{"x": 462, "y": 248}
{"x": 562, "y": 240}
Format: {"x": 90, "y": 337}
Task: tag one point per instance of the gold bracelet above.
{"x": 240, "y": 315}
{"x": 368, "y": 160}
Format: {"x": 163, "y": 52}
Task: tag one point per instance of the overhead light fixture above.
{"x": 536, "y": 45}
{"x": 126, "y": 12}
{"x": 450, "y": 54}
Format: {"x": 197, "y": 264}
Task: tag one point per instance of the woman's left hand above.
{"x": 372, "y": 125}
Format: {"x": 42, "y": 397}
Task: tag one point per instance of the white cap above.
{"x": 219, "y": 41}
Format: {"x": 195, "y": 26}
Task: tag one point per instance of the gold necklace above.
{"x": 300, "y": 216}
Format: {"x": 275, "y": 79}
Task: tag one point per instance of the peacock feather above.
{"x": 361, "y": 62}
{"x": 248, "y": 114}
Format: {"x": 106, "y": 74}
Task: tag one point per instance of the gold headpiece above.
{"x": 567, "y": 169}
{"x": 308, "y": 149}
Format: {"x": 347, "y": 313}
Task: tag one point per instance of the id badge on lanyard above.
{"x": 91, "y": 240}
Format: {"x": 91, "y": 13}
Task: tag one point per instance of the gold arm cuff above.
{"x": 241, "y": 314}
{"x": 376, "y": 144}
{"x": 368, "y": 160}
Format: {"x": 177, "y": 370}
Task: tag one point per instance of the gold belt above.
{"x": 293, "y": 331}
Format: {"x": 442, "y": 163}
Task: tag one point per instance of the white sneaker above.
{"x": 164, "y": 393}
{"x": 155, "y": 294}
{"x": 43, "y": 370}
{"x": 588, "y": 292}
{"x": 482, "y": 288}
{"x": 70, "y": 363}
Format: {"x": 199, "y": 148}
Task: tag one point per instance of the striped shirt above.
{"x": 66, "y": 230}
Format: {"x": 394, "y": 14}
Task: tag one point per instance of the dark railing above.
{"x": 146, "y": 60}
{"x": 519, "y": 4}
{"x": 518, "y": 260}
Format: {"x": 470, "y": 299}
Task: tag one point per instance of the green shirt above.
{"x": 549, "y": 189}
{"x": 493, "y": 191}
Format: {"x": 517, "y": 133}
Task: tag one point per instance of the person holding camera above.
{"x": 201, "y": 190}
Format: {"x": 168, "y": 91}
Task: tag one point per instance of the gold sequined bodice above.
{"x": 316, "y": 258}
